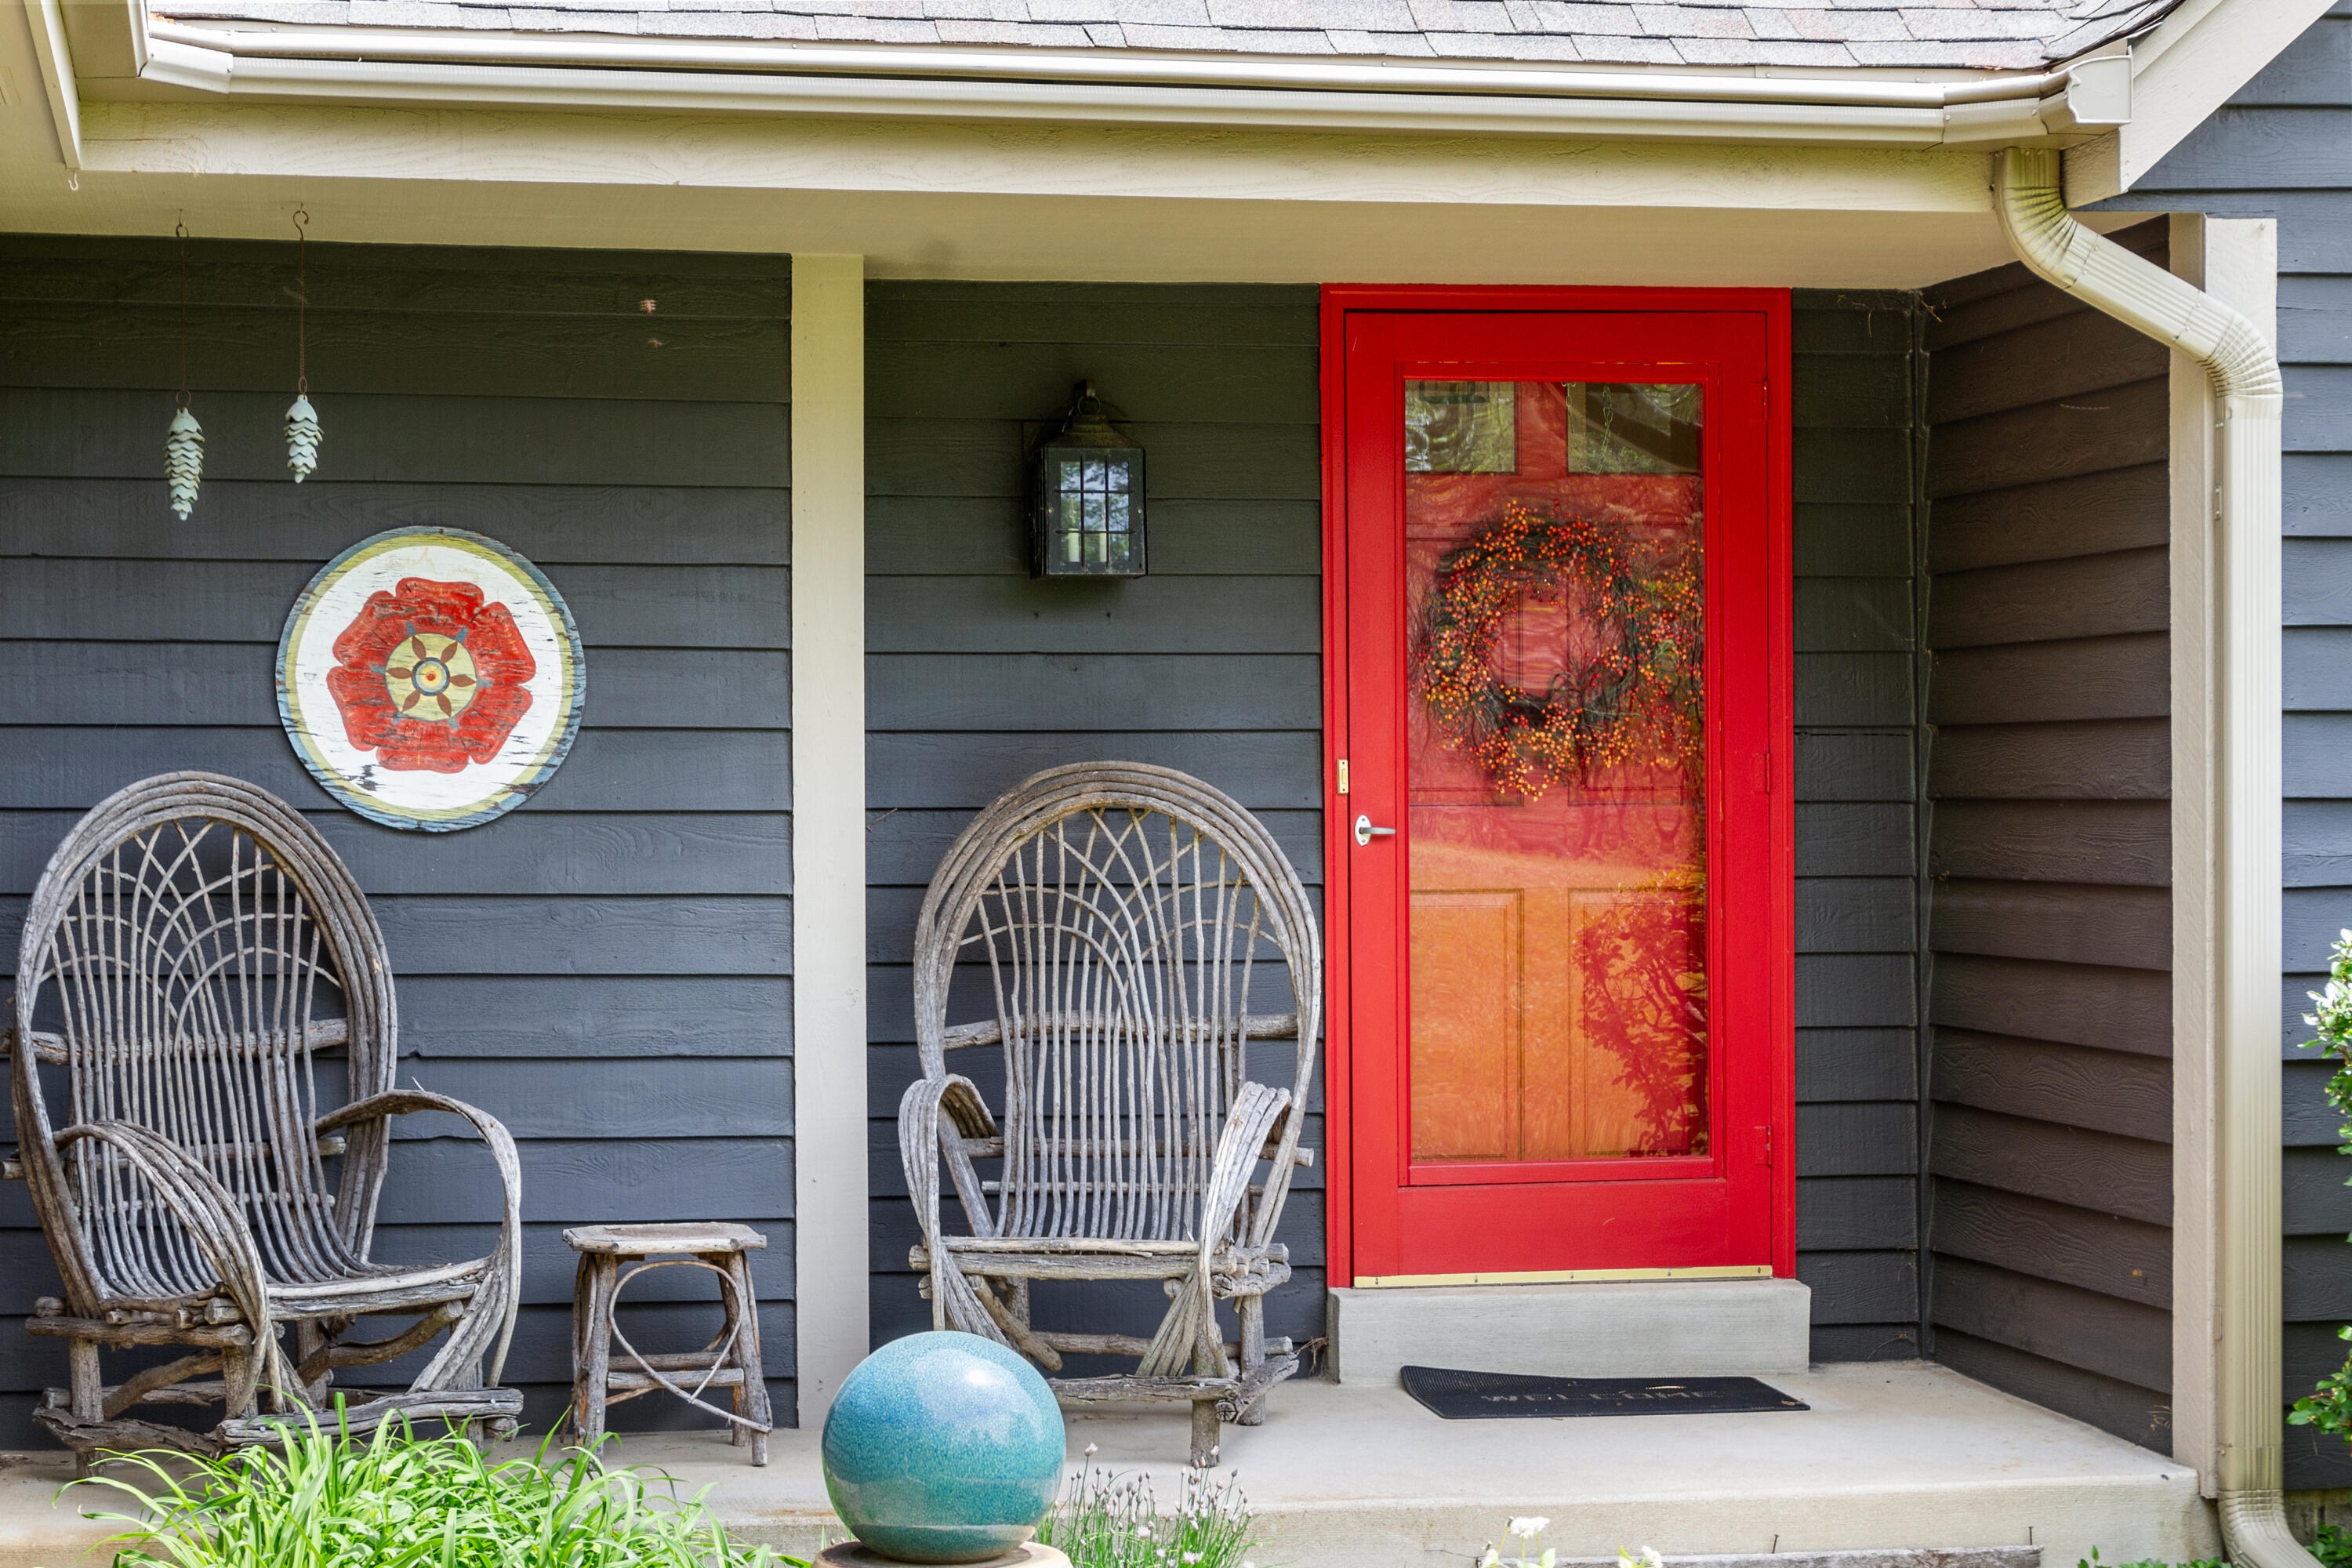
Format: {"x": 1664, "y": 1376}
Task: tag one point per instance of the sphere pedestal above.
{"x": 850, "y": 1555}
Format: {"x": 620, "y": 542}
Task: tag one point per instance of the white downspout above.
{"x": 2248, "y": 1404}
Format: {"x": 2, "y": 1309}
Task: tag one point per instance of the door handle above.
{"x": 1366, "y": 832}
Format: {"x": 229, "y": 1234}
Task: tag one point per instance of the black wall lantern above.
{"x": 1089, "y": 516}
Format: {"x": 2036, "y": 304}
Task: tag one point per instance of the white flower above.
{"x": 1526, "y": 1528}
{"x": 1191, "y": 1557}
{"x": 1492, "y": 1559}
{"x": 1143, "y": 1531}
{"x": 1090, "y": 1451}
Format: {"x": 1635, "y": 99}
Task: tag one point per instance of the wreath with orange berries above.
{"x": 1638, "y": 700}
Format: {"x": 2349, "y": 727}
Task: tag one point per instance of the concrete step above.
{"x": 1660, "y": 1328}
{"x": 1903, "y": 1455}
{"x": 1906, "y": 1457}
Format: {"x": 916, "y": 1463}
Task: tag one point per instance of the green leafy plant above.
{"x": 318, "y": 1499}
{"x": 2328, "y": 1406}
{"x": 2093, "y": 1562}
{"x": 1106, "y": 1520}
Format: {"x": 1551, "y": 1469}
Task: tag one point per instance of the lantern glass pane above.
{"x": 1088, "y": 510}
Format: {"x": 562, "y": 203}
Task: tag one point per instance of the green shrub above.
{"x": 2093, "y": 1562}
{"x": 2328, "y": 1406}
{"x": 2333, "y": 1547}
{"x": 1105, "y": 1521}
{"x": 321, "y": 1499}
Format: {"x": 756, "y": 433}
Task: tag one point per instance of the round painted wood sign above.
{"x": 430, "y": 678}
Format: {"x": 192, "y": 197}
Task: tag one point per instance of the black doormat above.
{"x": 1499, "y": 1395}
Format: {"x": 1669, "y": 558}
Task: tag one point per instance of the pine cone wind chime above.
{"x": 301, "y": 439}
{"x": 183, "y": 447}
{"x": 184, "y": 461}
{"x": 301, "y": 419}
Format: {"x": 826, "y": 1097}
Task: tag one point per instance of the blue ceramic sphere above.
{"x": 943, "y": 1448}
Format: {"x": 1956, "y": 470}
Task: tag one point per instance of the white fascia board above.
{"x": 839, "y": 81}
{"x": 2182, "y": 71}
{"x": 54, "y": 56}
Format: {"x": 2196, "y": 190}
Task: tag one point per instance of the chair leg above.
{"x": 1206, "y": 1440}
{"x": 87, "y": 1388}
{"x": 1252, "y": 1312}
{"x": 241, "y": 1382}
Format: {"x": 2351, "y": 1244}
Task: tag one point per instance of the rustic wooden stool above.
{"x": 612, "y": 1255}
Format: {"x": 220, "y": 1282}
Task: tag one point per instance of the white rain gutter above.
{"x": 1106, "y": 85}
{"x": 2248, "y": 395}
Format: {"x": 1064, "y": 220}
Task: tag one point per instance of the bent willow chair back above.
{"x": 1135, "y": 933}
{"x": 193, "y": 949}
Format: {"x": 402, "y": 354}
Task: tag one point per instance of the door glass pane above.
{"x": 1556, "y": 727}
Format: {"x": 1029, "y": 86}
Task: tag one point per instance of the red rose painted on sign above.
{"x": 429, "y": 678}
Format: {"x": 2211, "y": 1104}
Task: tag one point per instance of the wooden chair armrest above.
{"x": 208, "y": 1213}
{"x": 404, "y": 1102}
{"x": 501, "y": 1295}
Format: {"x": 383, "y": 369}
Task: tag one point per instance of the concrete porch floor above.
{"x": 1902, "y": 1455}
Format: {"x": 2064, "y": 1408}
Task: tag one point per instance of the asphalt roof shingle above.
{"x": 1967, "y": 35}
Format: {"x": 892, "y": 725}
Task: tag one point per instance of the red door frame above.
{"x": 1779, "y": 918}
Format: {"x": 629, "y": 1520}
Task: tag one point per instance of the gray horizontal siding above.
{"x": 608, "y": 968}
{"x": 1857, "y": 1147}
{"x": 978, "y": 675}
{"x": 2050, "y": 1087}
{"x": 2282, "y": 148}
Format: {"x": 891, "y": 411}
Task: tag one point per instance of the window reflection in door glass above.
{"x": 1461, "y": 427}
{"x": 1617, "y": 427}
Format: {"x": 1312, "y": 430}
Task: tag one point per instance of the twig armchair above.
{"x": 192, "y": 948}
{"x": 1123, "y": 914}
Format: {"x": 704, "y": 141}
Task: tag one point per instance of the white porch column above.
{"x": 829, "y": 1197}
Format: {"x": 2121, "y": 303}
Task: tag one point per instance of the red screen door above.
{"x": 1561, "y": 592}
